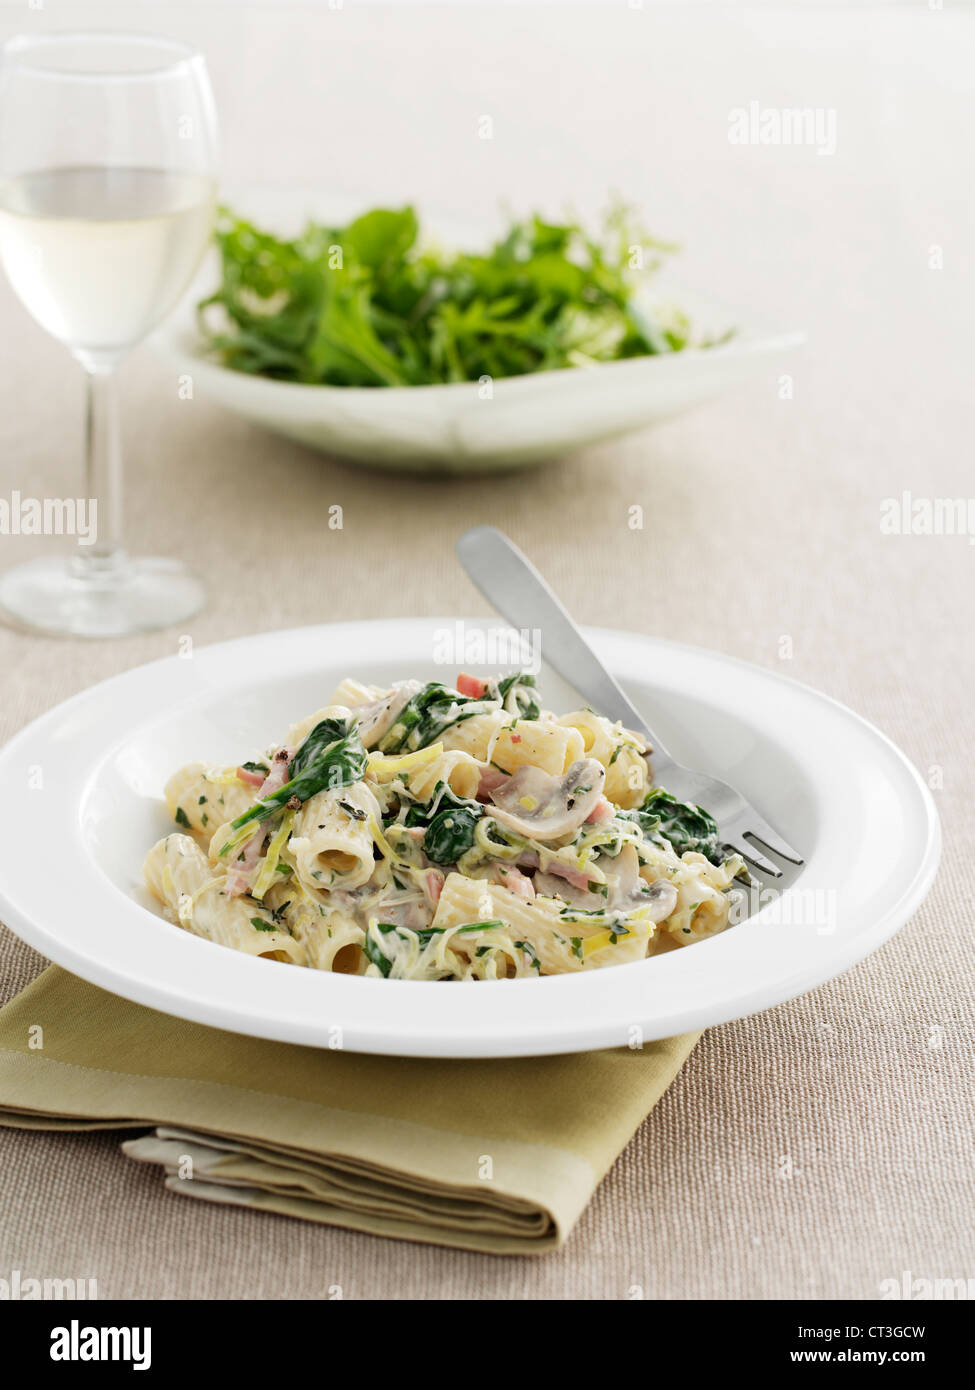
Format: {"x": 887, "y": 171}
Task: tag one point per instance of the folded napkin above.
{"x": 498, "y": 1156}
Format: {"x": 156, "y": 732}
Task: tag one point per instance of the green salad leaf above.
{"x": 370, "y": 304}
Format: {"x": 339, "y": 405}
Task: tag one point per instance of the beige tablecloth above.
{"x": 824, "y": 1146}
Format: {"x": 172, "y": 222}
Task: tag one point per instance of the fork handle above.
{"x": 515, "y": 588}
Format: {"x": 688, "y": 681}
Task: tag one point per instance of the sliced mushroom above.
{"x": 542, "y": 807}
{"x": 661, "y": 898}
{"x": 377, "y": 717}
{"x": 575, "y": 892}
{"x": 403, "y": 911}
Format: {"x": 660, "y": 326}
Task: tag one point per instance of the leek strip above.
{"x": 268, "y": 873}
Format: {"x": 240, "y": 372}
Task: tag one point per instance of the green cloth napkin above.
{"x": 497, "y": 1156}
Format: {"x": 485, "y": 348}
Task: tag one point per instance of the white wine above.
{"x": 99, "y": 246}
{"x": 100, "y": 255}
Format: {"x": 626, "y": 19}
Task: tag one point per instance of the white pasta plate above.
{"x": 81, "y": 804}
{"x": 456, "y": 428}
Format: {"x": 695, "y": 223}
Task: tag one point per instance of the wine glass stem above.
{"x": 103, "y": 474}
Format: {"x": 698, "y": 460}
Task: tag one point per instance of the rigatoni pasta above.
{"x": 331, "y": 843}
{"x": 540, "y": 743}
{"x": 430, "y": 832}
{"x": 620, "y": 752}
{"x": 181, "y": 877}
{"x": 200, "y": 795}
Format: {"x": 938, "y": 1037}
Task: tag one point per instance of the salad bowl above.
{"x": 484, "y": 425}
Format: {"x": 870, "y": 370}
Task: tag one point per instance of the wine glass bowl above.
{"x": 107, "y": 204}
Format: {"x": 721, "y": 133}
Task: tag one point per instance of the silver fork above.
{"x": 512, "y": 584}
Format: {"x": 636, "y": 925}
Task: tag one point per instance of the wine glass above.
{"x": 107, "y": 204}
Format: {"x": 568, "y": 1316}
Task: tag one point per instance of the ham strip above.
{"x": 512, "y": 878}
{"x": 240, "y": 875}
{"x": 492, "y": 780}
{"x": 578, "y": 878}
{"x": 471, "y": 685}
{"x": 529, "y": 859}
{"x": 434, "y": 881}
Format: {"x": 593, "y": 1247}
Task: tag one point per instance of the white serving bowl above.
{"x": 71, "y": 873}
{"x": 466, "y": 427}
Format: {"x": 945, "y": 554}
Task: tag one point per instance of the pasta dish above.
{"x": 430, "y": 832}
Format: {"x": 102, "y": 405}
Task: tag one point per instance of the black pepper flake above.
{"x": 293, "y": 803}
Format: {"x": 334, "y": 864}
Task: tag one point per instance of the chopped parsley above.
{"x": 531, "y": 953}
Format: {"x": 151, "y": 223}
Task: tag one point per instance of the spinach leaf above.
{"x": 425, "y": 717}
{"x": 332, "y": 756}
{"x": 326, "y": 732}
{"x": 521, "y": 688}
{"x": 665, "y": 820}
{"x": 450, "y": 829}
{"x": 450, "y": 834}
{"x": 437, "y": 707}
{"x": 424, "y": 935}
{"x": 374, "y": 952}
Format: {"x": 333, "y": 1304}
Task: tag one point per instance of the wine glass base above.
{"x": 53, "y": 597}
